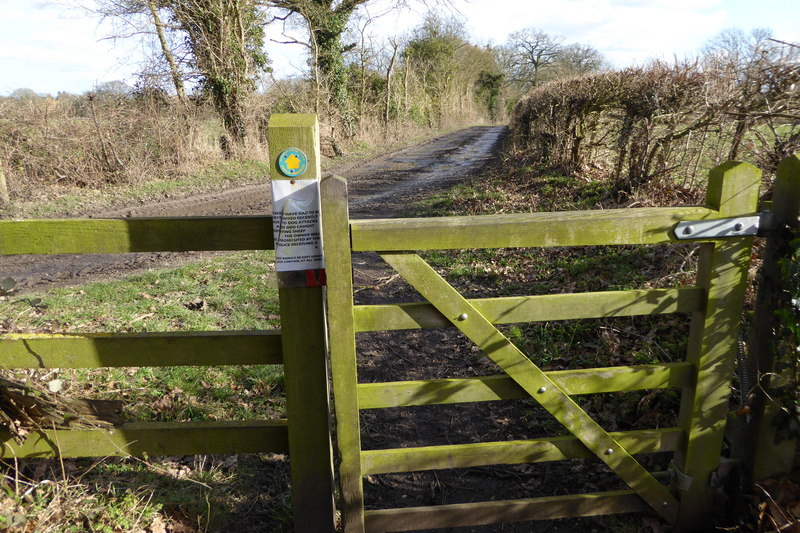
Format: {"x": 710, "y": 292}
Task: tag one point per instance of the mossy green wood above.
{"x": 153, "y": 438}
{"x": 570, "y": 228}
{"x": 195, "y": 348}
{"x": 502, "y": 387}
{"x": 294, "y": 130}
{"x": 763, "y": 454}
{"x": 104, "y": 236}
{"x": 484, "y": 513}
{"x": 536, "y": 308}
{"x": 510, "y": 452}
{"x": 303, "y": 333}
{"x": 722, "y": 271}
{"x": 336, "y": 246}
{"x": 541, "y": 388}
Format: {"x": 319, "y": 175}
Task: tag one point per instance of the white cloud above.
{"x": 625, "y": 30}
{"x": 51, "y": 48}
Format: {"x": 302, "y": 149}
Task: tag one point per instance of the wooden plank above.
{"x": 336, "y": 246}
{"x": 531, "y": 378}
{"x": 511, "y": 452}
{"x": 100, "y": 236}
{"x": 713, "y": 342}
{"x": 502, "y": 387}
{"x": 303, "y": 332}
{"x": 569, "y": 228}
{"x": 152, "y": 439}
{"x": 185, "y": 348}
{"x": 504, "y": 511}
{"x": 536, "y": 308}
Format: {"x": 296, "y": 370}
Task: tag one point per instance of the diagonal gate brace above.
{"x": 530, "y": 377}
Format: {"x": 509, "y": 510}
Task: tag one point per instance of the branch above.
{"x": 793, "y": 45}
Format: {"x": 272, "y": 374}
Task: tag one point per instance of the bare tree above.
{"x": 527, "y": 53}
{"x": 326, "y": 22}
{"x": 166, "y": 50}
{"x": 760, "y": 75}
{"x": 394, "y": 44}
{"x": 575, "y": 59}
{"x": 143, "y": 19}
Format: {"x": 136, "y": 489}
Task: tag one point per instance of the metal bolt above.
{"x": 738, "y": 226}
{"x": 688, "y": 230}
{"x": 664, "y": 504}
{"x": 609, "y": 451}
{"x": 542, "y": 390}
{"x": 462, "y": 316}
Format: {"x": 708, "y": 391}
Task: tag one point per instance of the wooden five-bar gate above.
{"x": 703, "y": 378}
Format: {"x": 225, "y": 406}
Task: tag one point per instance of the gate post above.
{"x": 713, "y": 343}
{"x": 336, "y": 243}
{"x": 303, "y": 334}
{"x": 761, "y": 456}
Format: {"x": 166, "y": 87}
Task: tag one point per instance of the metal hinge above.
{"x": 720, "y": 476}
{"x": 682, "y": 482}
{"x": 724, "y": 227}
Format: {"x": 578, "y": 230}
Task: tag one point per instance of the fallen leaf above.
{"x": 158, "y": 525}
{"x": 198, "y": 304}
{"x": 55, "y": 385}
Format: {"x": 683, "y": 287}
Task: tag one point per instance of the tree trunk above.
{"x": 389, "y": 71}
{"x": 177, "y": 80}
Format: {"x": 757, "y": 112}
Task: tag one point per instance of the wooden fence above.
{"x": 300, "y": 347}
{"x": 704, "y": 377}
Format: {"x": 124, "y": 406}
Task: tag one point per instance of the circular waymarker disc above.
{"x": 292, "y": 162}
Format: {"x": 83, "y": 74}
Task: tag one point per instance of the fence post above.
{"x": 336, "y": 243}
{"x": 303, "y": 334}
{"x": 713, "y": 343}
{"x": 762, "y": 457}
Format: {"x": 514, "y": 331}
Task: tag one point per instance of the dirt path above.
{"x": 380, "y": 188}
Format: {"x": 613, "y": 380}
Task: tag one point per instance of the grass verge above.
{"x": 172, "y": 494}
{"x": 230, "y": 292}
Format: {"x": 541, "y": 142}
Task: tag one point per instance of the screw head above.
{"x": 688, "y": 230}
{"x": 542, "y": 390}
{"x": 463, "y": 316}
{"x": 738, "y": 226}
{"x": 664, "y": 504}
{"x": 609, "y": 451}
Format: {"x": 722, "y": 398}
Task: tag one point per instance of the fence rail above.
{"x": 114, "y": 236}
{"x": 81, "y": 350}
{"x": 153, "y": 439}
{"x": 502, "y": 387}
{"x": 535, "y": 308}
{"x": 652, "y": 225}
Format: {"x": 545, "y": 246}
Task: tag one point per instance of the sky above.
{"x": 50, "y": 48}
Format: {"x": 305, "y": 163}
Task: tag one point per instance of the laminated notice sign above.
{"x": 296, "y": 225}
